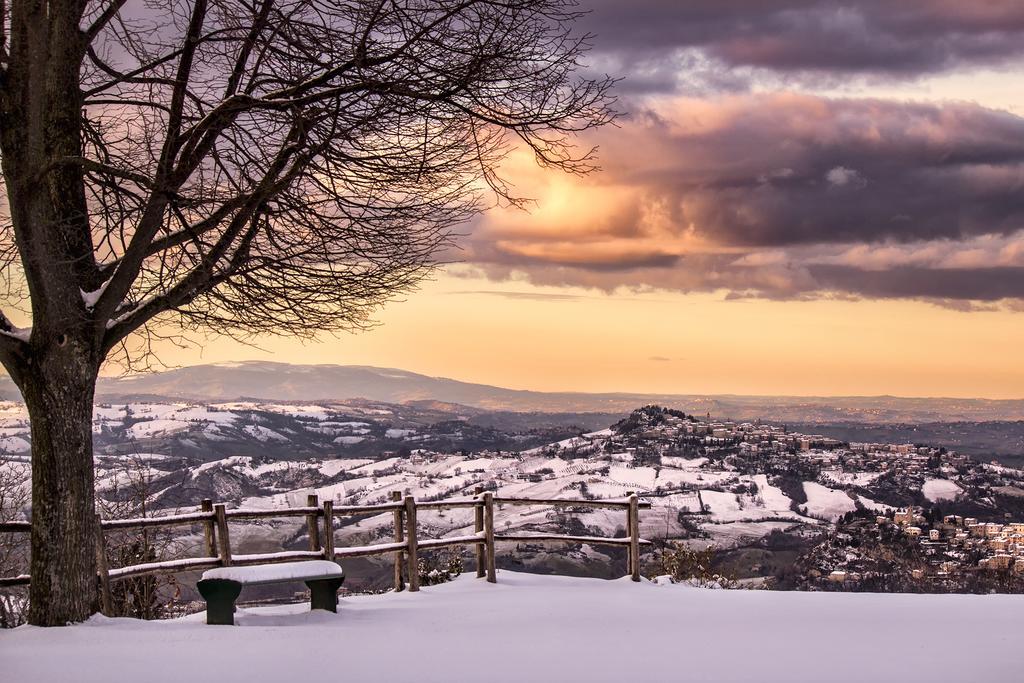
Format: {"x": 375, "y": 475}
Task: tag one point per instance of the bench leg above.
{"x": 323, "y": 594}
{"x": 220, "y": 596}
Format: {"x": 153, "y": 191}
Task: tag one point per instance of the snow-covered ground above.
{"x": 937, "y": 490}
{"x": 830, "y": 504}
{"x": 539, "y": 628}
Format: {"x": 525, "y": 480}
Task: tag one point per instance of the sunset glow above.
{"x": 837, "y": 214}
{"x": 546, "y": 338}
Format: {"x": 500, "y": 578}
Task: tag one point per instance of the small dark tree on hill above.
{"x": 242, "y": 166}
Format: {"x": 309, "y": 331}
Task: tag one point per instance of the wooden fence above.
{"x": 320, "y": 522}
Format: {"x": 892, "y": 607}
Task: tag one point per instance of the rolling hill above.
{"x": 288, "y": 382}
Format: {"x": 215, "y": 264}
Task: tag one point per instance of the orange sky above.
{"x": 508, "y": 334}
{"x": 533, "y": 329}
{"x": 601, "y": 287}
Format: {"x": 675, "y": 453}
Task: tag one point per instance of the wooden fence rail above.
{"x": 320, "y": 527}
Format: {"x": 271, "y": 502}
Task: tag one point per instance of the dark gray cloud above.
{"x": 940, "y": 284}
{"x": 900, "y": 38}
{"x": 800, "y": 170}
{"x": 969, "y": 288}
{"x": 791, "y": 170}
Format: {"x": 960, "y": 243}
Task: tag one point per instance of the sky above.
{"x": 801, "y": 197}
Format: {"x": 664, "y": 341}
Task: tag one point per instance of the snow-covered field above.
{"x": 937, "y": 490}
{"x": 827, "y": 503}
{"x": 540, "y": 628}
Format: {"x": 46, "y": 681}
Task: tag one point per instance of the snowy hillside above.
{"x": 729, "y": 505}
{"x": 731, "y": 485}
{"x": 545, "y": 628}
{"x": 298, "y": 430}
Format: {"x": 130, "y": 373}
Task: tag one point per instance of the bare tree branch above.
{"x": 474, "y": 67}
{"x": 104, "y": 18}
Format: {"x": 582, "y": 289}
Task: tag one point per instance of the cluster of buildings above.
{"x": 957, "y": 542}
{"x": 774, "y": 445}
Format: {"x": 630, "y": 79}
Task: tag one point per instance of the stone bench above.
{"x": 220, "y": 587}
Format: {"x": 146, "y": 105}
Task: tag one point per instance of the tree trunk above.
{"x": 58, "y": 392}
{"x": 41, "y": 103}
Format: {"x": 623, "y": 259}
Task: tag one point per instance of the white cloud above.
{"x": 840, "y": 176}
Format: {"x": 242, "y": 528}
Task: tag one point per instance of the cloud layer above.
{"x": 651, "y": 39}
{"x": 784, "y": 196}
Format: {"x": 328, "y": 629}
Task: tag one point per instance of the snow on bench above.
{"x": 220, "y": 587}
{"x": 277, "y": 573}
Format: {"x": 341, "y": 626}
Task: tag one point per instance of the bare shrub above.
{"x": 131, "y": 494}
{"x": 685, "y": 564}
{"x": 14, "y": 547}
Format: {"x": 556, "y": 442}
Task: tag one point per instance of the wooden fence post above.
{"x": 106, "y": 602}
{"x": 209, "y": 529}
{"x": 478, "y": 527}
{"x": 328, "y": 530}
{"x": 312, "y": 501}
{"x": 492, "y": 573}
{"x": 629, "y": 530}
{"x": 396, "y": 496}
{"x": 634, "y": 537}
{"x": 223, "y": 538}
{"x": 412, "y": 554}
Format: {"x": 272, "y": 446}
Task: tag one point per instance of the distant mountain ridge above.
{"x": 287, "y": 382}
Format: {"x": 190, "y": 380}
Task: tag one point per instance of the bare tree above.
{"x": 13, "y": 546}
{"x": 245, "y": 166}
{"x": 131, "y": 493}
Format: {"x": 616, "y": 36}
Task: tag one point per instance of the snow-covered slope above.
{"x": 539, "y": 628}
{"x": 940, "y": 489}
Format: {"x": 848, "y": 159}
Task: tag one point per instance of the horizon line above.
{"x": 619, "y": 392}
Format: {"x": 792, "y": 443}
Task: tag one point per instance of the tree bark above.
{"x": 59, "y": 396}
{"x": 41, "y": 105}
